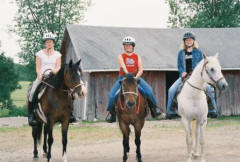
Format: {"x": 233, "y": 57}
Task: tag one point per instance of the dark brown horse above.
{"x": 131, "y": 109}
{"x": 57, "y": 105}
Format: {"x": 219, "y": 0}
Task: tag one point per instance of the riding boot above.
{"x": 112, "y": 118}
{"x": 155, "y": 112}
{"x": 31, "y": 118}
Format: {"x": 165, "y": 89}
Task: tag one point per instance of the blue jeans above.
{"x": 173, "y": 89}
{"x": 143, "y": 87}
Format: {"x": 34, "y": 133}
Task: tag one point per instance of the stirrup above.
{"x": 111, "y": 119}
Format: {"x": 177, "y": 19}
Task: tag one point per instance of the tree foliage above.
{"x": 204, "y": 13}
{"x": 8, "y": 80}
{"x": 35, "y": 17}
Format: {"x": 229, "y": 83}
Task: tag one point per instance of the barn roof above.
{"x": 98, "y": 47}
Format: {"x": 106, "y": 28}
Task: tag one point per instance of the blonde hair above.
{"x": 195, "y": 45}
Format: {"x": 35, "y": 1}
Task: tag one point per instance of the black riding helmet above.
{"x": 188, "y": 35}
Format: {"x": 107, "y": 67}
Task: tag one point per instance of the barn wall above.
{"x": 229, "y": 102}
{"x": 102, "y": 82}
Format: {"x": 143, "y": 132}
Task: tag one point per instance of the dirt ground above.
{"x": 162, "y": 141}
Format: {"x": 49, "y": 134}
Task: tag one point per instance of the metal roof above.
{"x": 98, "y": 47}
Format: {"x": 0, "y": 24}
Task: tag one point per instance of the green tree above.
{"x": 35, "y": 17}
{"x": 204, "y": 13}
{"x": 23, "y": 72}
{"x": 8, "y": 80}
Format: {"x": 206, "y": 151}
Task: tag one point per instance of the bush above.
{"x": 4, "y": 112}
{"x": 18, "y": 111}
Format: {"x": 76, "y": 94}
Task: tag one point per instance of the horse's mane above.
{"x": 129, "y": 78}
{"x": 57, "y": 80}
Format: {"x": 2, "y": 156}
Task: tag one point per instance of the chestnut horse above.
{"x": 131, "y": 109}
{"x": 57, "y": 105}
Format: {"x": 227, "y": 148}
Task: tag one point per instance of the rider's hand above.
{"x": 184, "y": 74}
{"x": 53, "y": 71}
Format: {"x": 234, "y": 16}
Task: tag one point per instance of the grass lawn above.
{"x": 19, "y": 96}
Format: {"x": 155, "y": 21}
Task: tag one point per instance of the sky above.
{"x": 122, "y": 13}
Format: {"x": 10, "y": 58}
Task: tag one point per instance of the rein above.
{"x": 134, "y": 93}
{"x": 70, "y": 90}
{"x": 215, "y": 81}
{"x": 195, "y": 86}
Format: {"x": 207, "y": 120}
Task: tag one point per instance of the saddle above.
{"x": 39, "y": 92}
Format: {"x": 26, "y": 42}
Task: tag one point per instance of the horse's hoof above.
{"x": 202, "y": 160}
{"x": 35, "y": 159}
{"x": 64, "y": 158}
{"x": 44, "y": 155}
{"x": 139, "y": 160}
{"x": 189, "y": 160}
{"x": 195, "y": 155}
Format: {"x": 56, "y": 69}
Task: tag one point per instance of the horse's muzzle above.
{"x": 222, "y": 85}
{"x": 131, "y": 104}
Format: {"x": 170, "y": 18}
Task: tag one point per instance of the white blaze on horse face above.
{"x": 79, "y": 73}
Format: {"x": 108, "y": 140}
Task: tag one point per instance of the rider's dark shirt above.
{"x": 188, "y": 59}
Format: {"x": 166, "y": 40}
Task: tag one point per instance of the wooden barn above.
{"x": 98, "y": 47}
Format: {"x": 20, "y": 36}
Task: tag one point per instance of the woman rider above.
{"x": 188, "y": 58}
{"x": 130, "y": 62}
{"x": 47, "y": 58}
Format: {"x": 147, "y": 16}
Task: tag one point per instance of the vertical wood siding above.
{"x": 102, "y": 82}
{"x": 229, "y": 102}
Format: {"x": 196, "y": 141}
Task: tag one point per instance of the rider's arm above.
{"x": 38, "y": 67}
{"x": 140, "y": 67}
{"x": 58, "y": 66}
{"x": 121, "y": 64}
{"x": 180, "y": 63}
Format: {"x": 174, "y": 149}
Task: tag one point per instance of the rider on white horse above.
{"x": 192, "y": 103}
{"x": 188, "y": 58}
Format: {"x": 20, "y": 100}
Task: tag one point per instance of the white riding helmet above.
{"x": 129, "y": 40}
{"x": 49, "y": 36}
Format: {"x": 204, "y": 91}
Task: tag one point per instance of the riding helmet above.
{"x": 49, "y": 36}
{"x": 129, "y": 40}
{"x": 189, "y": 35}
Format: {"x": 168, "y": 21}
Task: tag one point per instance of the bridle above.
{"x": 209, "y": 75}
{"x": 70, "y": 91}
{"x": 124, "y": 92}
{"x": 136, "y": 93}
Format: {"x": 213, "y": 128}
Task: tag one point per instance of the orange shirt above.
{"x": 131, "y": 63}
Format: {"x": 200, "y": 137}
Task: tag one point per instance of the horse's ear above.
{"x": 70, "y": 63}
{"x": 78, "y": 63}
{"x": 216, "y": 55}
{"x": 204, "y": 56}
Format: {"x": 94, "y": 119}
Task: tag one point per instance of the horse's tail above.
{"x": 39, "y": 133}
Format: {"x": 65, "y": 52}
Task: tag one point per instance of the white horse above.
{"x": 192, "y": 102}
